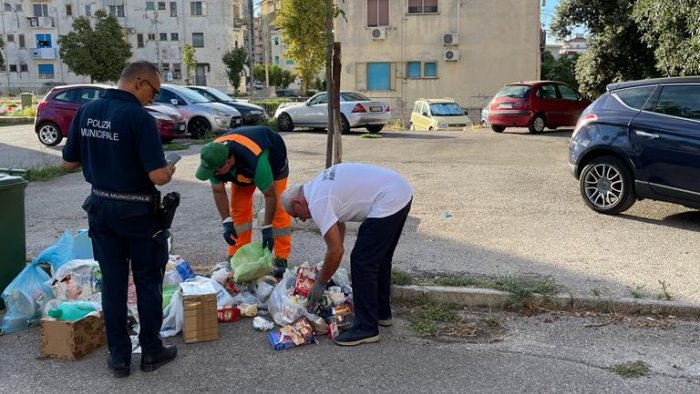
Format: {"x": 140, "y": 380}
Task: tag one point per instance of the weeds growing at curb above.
{"x": 400, "y": 278}
{"x": 175, "y": 146}
{"x": 596, "y": 292}
{"x": 46, "y": 173}
{"x": 638, "y": 292}
{"x": 464, "y": 281}
{"x": 522, "y": 288}
{"x": 665, "y": 294}
{"x": 632, "y": 369}
{"x": 425, "y": 319}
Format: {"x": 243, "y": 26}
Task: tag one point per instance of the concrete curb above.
{"x": 495, "y": 299}
{"x": 12, "y": 120}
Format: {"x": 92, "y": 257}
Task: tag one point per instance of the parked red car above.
{"x": 536, "y": 105}
{"x": 55, "y": 113}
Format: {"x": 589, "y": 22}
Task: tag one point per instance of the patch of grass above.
{"x": 271, "y": 123}
{"x": 425, "y": 319}
{"x": 46, "y": 173}
{"x": 665, "y": 294}
{"x": 596, "y": 292}
{"x": 203, "y": 141}
{"x": 523, "y": 287}
{"x": 638, "y": 292}
{"x": 401, "y": 278}
{"x": 632, "y": 369}
{"x": 175, "y": 146}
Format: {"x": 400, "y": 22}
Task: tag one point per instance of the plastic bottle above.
{"x": 184, "y": 269}
{"x": 71, "y": 310}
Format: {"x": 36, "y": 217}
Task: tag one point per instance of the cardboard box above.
{"x": 200, "y": 320}
{"x": 72, "y": 340}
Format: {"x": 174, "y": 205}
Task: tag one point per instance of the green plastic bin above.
{"x": 13, "y": 248}
{"x": 26, "y": 99}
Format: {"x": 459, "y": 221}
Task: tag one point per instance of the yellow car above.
{"x": 438, "y": 114}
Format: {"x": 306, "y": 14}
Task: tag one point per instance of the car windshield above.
{"x": 221, "y": 96}
{"x": 191, "y": 96}
{"x": 352, "y": 96}
{"x": 515, "y": 91}
{"x": 446, "y": 109}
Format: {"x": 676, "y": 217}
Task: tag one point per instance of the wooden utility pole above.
{"x": 338, "y": 148}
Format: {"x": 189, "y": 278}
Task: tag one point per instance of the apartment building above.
{"x": 157, "y": 31}
{"x": 464, "y": 49}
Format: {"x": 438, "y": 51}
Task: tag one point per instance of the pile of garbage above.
{"x": 64, "y": 282}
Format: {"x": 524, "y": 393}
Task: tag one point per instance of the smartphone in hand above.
{"x": 172, "y": 158}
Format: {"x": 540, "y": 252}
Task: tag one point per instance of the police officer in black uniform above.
{"x": 116, "y": 142}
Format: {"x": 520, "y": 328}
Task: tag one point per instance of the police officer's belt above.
{"x": 122, "y": 196}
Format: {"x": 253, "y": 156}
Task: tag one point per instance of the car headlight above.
{"x": 160, "y": 116}
{"x": 255, "y": 112}
{"x": 220, "y": 112}
{"x": 442, "y": 124}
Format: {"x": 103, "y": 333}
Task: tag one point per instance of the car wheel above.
{"x": 199, "y": 128}
{"x": 411, "y": 126}
{"x": 344, "y": 124}
{"x": 284, "y": 122}
{"x": 607, "y": 185}
{"x": 497, "y": 129}
{"x": 50, "y": 134}
{"x": 484, "y": 123}
{"x": 375, "y": 128}
{"x": 536, "y": 125}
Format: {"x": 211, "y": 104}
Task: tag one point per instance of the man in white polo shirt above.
{"x": 355, "y": 192}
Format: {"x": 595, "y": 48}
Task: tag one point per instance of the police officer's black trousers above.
{"x": 370, "y": 265}
{"x": 121, "y": 234}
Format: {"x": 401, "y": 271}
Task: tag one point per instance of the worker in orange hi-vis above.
{"x": 250, "y": 157}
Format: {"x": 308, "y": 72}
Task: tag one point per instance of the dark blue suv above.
{"x": 640, "y": 139}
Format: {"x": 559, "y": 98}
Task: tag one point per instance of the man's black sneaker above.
{"x": 355, "y": 337}
{"x": 385, "y": 322}
{"x": 120, "y": 369}
{"x": 279, "y": 265}
{"x": 152, "y": 362}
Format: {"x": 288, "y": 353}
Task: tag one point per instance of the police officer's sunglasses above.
{"x": 155, "y": 91}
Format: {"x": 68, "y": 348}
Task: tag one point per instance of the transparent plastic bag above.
{"x": 283, "y": 306}
{"x": 25, "y": 298}
{"x": 77, "y": 280}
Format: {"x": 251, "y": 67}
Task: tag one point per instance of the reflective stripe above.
{"x": 243, "y": 140}
{"x": 243, "y": 227}
{"x": 281, "y": 232}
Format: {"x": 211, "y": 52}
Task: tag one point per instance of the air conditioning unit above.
{"x": 450, "y": 55}
{"x": 378, "y": 33}
{"x": 450, "y": 39}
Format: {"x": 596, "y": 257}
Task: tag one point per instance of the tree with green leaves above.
{"x": 562, "y": 69}
{"x": 615, "y": 52}
{"x": 303, "y": 27}
{"x": 278, "y": 75}
{"x": 234, "y": 60}
{"x": 100, "y": 52}
{"x": 2, "y": 47}
{"x": 672, "y": 29}
{"x": 189, "y": 58}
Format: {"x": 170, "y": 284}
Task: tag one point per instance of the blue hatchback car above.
{"x": 640, "y": 139}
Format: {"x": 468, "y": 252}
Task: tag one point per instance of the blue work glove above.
{"x": 315, "y": 294}
{"x": 229, "y": 231}
{"x": 268, "y": 239}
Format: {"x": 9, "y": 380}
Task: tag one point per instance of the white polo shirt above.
{"x": 353, "y": 192}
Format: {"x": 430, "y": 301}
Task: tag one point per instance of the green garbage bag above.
{"x": 251, "y": 262}
{"x": 168, "y": 291}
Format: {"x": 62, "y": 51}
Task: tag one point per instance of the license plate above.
{"x": 505, "y": 105}
{"x": 238, "y": 121}
{"x": 182, "y": 127}
{"x": 376, "y": 109}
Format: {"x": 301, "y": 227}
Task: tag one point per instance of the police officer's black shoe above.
{"x": 150, "y": 363}
{"x": 278, "y": 267}
{"x": 119, "y": 369}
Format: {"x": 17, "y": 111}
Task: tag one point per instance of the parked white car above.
{"x": 356, "y": 111}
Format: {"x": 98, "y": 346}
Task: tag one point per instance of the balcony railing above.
{"x": 41, "y": 22}
{"x": 43, "y": 53}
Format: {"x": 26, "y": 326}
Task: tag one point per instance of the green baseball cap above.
{"x": 213, "y": 155}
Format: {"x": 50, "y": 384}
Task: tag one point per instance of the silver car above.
{"x": 356, "y": 110}
{"x": 203, "y": 117}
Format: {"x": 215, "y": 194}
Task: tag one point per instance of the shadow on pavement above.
{"x": 689, "y": 220}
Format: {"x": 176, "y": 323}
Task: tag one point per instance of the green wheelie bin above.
{"x": 12, "y": 236}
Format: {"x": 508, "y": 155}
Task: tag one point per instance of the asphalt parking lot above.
{"x": 485, "y": 203}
